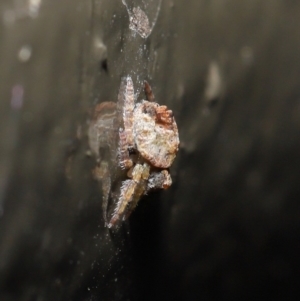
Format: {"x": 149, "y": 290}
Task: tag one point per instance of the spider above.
{"x": 141, "y": 142}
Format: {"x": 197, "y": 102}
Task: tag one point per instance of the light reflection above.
{"x": 21, "y": 9}
{"x": 10, "y": 134}
{"x": 34, "y": 7}
{"x": 17, "y": 97}
{"x": 9, "y": 17}
{"x": 25, "y": 53}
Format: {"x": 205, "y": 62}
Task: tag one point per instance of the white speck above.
{"x": 88, "y": 153}
{"x": 214, "y": 82}
{"x": 100, "y": 49}
{"x": 116, "y": 279}
{"x": 25, "y": 53}
{"x": 88, "y": 289}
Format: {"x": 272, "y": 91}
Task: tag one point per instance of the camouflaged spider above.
{"x": 143, "y": 141}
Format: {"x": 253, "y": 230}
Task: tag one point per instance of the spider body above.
{"x": 143, "y": 149}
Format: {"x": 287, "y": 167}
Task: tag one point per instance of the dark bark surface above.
{"x": 228, "y": 228}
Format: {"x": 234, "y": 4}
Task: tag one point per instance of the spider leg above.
{"x": 148, "y": 92}
{"x": 106, "y": 186}
{"x": 101, "y": 173}
{"x": 123, "y": 153}
{"x": 127, "y": 191}
{"x": 131, "y": 191}
{"x": 125, "y": 108}
{"x": 140, "y": 190}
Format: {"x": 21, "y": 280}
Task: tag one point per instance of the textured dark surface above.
{"x": 228, "y": 228}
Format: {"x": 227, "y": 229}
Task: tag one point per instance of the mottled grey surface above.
{"x": 228, "y": 228}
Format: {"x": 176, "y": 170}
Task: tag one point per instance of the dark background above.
{"x": 228, "y": 228}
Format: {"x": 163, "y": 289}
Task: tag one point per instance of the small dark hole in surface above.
{"x": 213, "y": 102}
{"x": 103, "y": 65}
